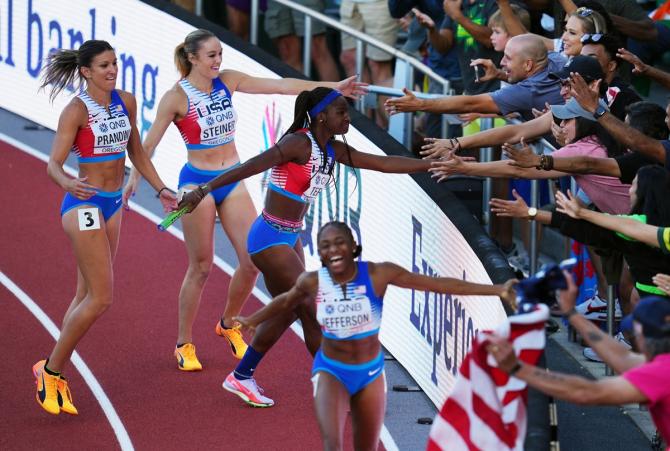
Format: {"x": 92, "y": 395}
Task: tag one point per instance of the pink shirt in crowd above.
{"x": 652, "y": 381}
{"x": 607, "y": 193}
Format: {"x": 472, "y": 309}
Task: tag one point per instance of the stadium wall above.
{"x": 409, "y": 220}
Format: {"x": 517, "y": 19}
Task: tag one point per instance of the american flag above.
{"x": 487, "y": 408}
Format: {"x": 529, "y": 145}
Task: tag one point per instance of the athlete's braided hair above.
{"x": 346, "y": 229}
{"x": 63, "y": 65}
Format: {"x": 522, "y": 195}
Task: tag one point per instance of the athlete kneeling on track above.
{"x": 349, "y": 299}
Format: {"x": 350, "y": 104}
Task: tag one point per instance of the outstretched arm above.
{"x": 533, "y": 129}
{"x": 346, "y": 154}
{"x": 392, "y": 274}
{"x": 576, "y": 389}
{"x": 481, "y": 103}
{"x": 525, "y": 158}
{"x": 641, "y": 68}
{"x": 303, "y": 290}
{"x": 625, "y": 134}
{"x": 634, "y": 229}
{"x": 442, "y": 169}
{"x": 289, "y": 148}
{"x": 518, "y": 209}
{"x": 614, "y": 353}
{"x": 242, "y": 82}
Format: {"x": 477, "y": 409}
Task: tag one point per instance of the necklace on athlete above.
{"x": 343, "y": 285}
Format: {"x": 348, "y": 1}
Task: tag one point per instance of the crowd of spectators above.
{"x": 575, "y": 72}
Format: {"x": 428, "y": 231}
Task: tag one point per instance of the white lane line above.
{"x": 386, "y": 437}
{"x": 107, "y": 407}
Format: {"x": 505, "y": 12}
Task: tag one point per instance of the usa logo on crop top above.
{"x": 304, "y": 182}
{"x": 351, "y": 312}
{"x": 107, "y": 131}
{"x": 210, "y": 120}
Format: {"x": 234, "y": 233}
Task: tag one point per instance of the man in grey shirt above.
{"x": 527, "y": 65}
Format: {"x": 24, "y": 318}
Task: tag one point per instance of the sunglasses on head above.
{"x": 595, "y": 37}
{"x": 584, "y": 12}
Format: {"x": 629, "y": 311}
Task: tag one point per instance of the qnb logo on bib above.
{"x": 110, "y": 135}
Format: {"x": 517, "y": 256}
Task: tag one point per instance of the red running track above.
{"x": 129, "y": 349}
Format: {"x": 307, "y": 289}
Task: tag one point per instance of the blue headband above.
{"x": 332, "y": 95}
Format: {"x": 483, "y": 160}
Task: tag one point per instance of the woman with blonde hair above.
{"x": 200, "y": 105}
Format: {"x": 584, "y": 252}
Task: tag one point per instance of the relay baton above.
{"x": 171, "y": 218}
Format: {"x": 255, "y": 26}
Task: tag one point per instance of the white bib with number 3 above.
{"x": 89, "y": 218}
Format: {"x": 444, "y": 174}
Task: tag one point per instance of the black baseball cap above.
{"x": 587, "y": 66}
{"x": 653, "y": 313}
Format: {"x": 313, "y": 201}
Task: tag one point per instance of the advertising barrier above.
{"x": 392, "y": 216}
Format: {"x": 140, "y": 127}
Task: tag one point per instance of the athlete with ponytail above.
{"x": 200, "y": 105}
{"x": 302, "y": 165}
{"x": 98, "y": 125}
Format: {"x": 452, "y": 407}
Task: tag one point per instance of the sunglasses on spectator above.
{"x": 595, "y": 37}
{"x": 584, "y": 12}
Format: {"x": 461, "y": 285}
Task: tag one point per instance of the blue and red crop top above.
{"x": 107, "y": 131}
{"x": 350, "y": 311}
{"x": 304, "y": 182}
{"x": 210, "y": 119}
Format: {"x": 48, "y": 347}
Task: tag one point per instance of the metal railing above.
{"x": 405, "y": 64}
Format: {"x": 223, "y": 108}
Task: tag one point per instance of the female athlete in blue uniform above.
{"x": 348, "y": 295}
{"x": 200, "y": 105}
{"x": 302, "y": 165}
{"x": 98, "y": 126}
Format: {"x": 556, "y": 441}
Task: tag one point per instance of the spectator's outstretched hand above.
{"x": 639, "y": 67}
{"x": 349, "y": 87}
{"x": 517, "y": 208}
{"x": 662, "y": 281}
{"x": 424, "y": 19}
{"x": 568, "y": 205}
{"x": 587, "y": 97}
{"x": 438, "y": 148}
{"x": 559, "y": 134}
{"x": 523, "y": 157}
{"x": 446, "y": 166}
{"x": 408, "y": 102}
{"x": 568, "y": 297}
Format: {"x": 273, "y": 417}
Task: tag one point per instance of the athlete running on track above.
{"x": 302, "y": 165}
{"x": 348, "y": 295}
{"x": 200, "y": 105}
{"x": 98, "y": 125}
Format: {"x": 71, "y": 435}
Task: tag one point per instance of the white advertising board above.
{"x": 391, "y": 215}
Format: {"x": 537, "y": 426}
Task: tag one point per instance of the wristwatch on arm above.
{"x": 532, "y": 212}
{"x": 599, "y": 112}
